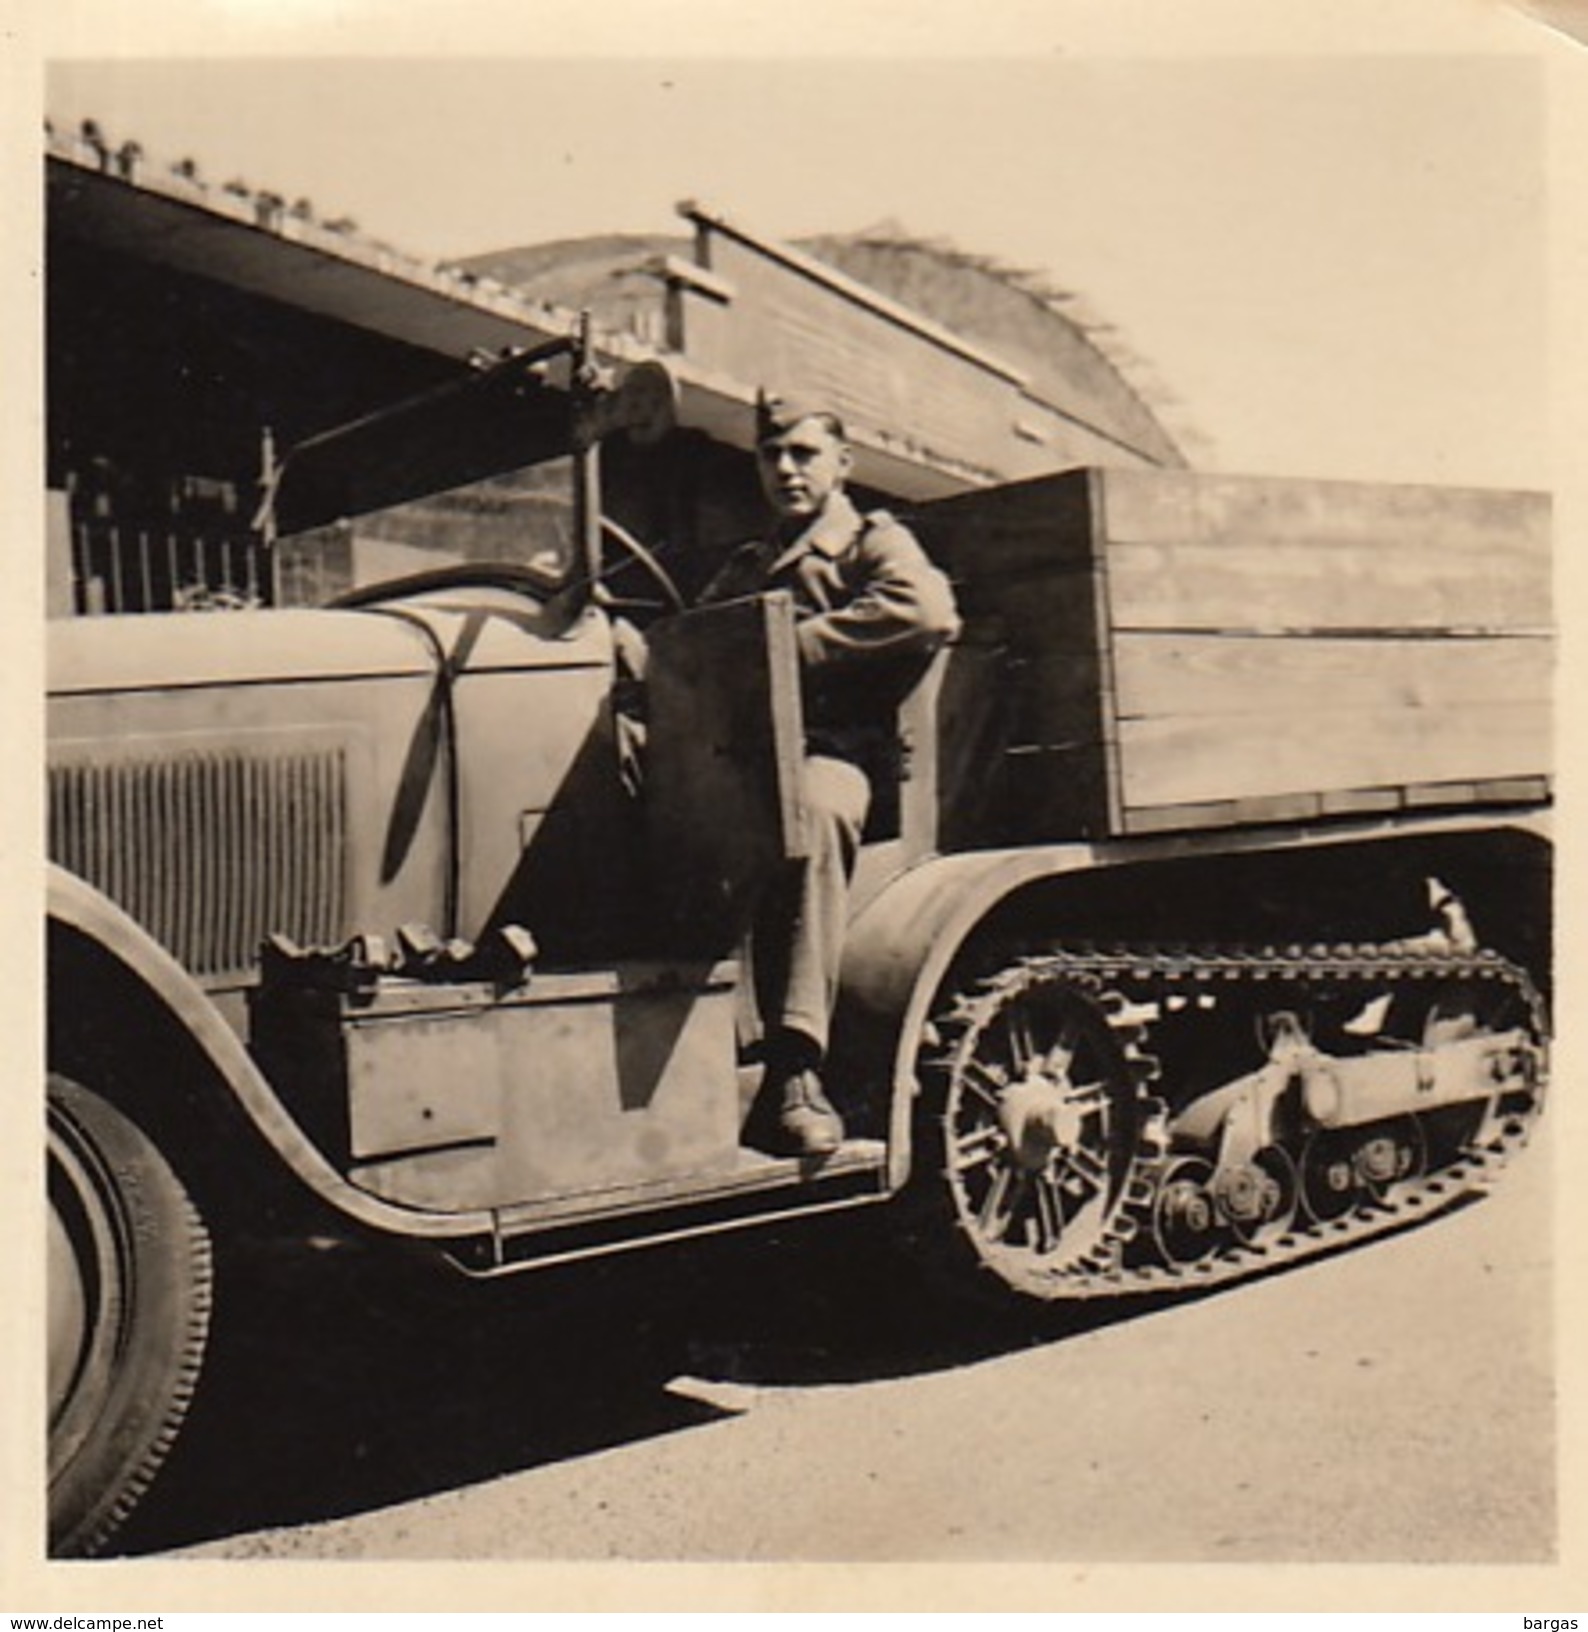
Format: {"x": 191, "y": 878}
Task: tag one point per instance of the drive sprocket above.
{"x": 1040, "y": 1121}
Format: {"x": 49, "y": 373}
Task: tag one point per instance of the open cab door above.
{"x": 723, "y": 767}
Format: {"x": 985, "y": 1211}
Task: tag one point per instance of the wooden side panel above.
{"x": 1185, "y": 650}
{"x": 1305, "y": 807}
{"x": 1289, "y": 649}
{"x": 724, "y": 763}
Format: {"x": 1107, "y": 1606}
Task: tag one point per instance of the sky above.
{"x": 1336, "y": 263}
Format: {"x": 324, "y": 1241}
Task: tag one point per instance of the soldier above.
{"x": 870, "y": 610}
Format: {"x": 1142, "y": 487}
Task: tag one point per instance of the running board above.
{"x": 756, "y": 1189}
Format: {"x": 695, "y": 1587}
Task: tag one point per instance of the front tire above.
{"x": 129, "y": 1290}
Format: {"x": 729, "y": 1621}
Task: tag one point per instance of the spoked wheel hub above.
{"x": 1043, "y": 1122}
{"x": 1043, "y": 1113}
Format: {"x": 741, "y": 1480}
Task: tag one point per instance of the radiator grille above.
{"x": 210, "y": 850}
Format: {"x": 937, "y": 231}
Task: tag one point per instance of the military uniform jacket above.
{"x": 870, "y": 609}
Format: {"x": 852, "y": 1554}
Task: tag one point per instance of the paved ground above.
{"x": 1394, "y": 1403}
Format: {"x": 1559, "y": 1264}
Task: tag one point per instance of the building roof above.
{"x": 118, "y": 198}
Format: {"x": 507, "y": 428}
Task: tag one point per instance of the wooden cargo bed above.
{"x": 1177, "y": 650}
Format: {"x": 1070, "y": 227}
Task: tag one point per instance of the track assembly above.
{"x": 1122, "y": 1121}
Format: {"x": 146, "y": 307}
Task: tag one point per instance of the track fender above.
{"x": 78, "y": 907}
{"x": 902, "y": 944}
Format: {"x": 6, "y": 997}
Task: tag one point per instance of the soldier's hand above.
{"x": 631, "y": 754}
{"x": 630, "y": 648}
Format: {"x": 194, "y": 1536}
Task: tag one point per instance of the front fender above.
{"x": 899, "y": 950}
{"x": 78, "y": 908}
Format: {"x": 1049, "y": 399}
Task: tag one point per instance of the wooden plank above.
{"x": 1191, "y": 760}
{"x": 1359, "y": 801}
{"x": 1290, "y": 807}
{"x": 1056, "y": 793}
{"x": 1045, "y": 523}
{"x": 1519, "y": 790}
{"x": 1173, "y": 673}
{"x": 1058, "y": 699}
{"x": 1424, "y": 794}
{"x": 1345, "y": 802}
{"x": 1170, "y": 507}
{"x": 810, "y": 337}
{"x": 1178, "y": 818}
{"x": 972, "y": 733}
{"x": 1375, "y": 584}
{"x": 920, "y": 744}
{"x": 1033, "y": 612}
{"x": 1277, "y": 807}
{"x": 58, "y": 571}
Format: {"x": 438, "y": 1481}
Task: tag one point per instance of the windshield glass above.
{"x": 523, "y": 517}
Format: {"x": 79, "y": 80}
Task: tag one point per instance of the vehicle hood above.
{"x": 165, "y": 651}
{"x": 159, "y": 650}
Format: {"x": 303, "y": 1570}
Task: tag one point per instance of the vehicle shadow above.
{"x": 837, "y": 1309}
{"x": 340, "y": 1384}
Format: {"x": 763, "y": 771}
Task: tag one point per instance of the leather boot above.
{"x": 807, "y": 1124}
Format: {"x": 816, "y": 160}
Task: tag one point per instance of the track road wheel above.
{"x": 128, "y": 1291}
{"x": 1185, "y": 1221}
{"x": 1389, "y": 1154}
{"x": 1261, "y": 1197}
{"x": 1330, "y": 1187}
{"x": 1030, "y": 1169}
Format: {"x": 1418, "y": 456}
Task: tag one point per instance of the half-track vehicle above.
{"x": 1204, "y": 927}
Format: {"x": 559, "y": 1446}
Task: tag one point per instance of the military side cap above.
{"x": 776, "y": 414}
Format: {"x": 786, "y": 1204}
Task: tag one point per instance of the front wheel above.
{"x": 128, "y": 1290}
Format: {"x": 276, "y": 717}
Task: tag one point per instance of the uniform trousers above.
{"x": 797, "y": 940}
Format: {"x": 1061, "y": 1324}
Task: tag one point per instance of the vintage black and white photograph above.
{"x": 799, "y": 800}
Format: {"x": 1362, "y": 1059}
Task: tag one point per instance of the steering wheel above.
{"x": 638, "y": 555}
{"x": 460, "y": 575}
{"x": 521, "y": 580}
